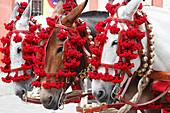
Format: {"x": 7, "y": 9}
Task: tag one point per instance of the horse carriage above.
{"x": 125, "y": 61}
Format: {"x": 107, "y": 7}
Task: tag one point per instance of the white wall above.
{"x": 21, "y": 1}
{"x": 166, "y": 4}
{"x": 147, "y": 2}
{"x": 102, "y": 4}
{"x": 87, "y": 6}
{"x": 5, "y": 88}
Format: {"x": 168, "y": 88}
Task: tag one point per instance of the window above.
{"x": 37, "y": 7}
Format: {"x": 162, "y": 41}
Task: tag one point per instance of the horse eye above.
{"x": 114, "y": 42}
{"x": 18, "y": 50}
{"x": 60, "y": 50}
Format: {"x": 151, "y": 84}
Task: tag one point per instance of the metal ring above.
{"x": 114, "y": 89}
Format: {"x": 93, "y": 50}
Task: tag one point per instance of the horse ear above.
{"x": 74, "y": 14}
{"x": 25, "y": 18}
{"x": 58, "y": 8}
{"x": 131, "y": 8}
{"x": 14, "y": 12}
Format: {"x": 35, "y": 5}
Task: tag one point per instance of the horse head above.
{"x": 111, "y": 71}
{"x": 18, "y": 35}
{"x": 55, "y": 57}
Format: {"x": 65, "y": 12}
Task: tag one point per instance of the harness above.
{"x": 146, "y": 69}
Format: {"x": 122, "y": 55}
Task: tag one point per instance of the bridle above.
{"x": 25, "y": 66}
{"x": 67, "y": 78}
{"x": 146, "y": 65}
{"x": 67, "y": 83}
{"x": 145, "y": 70}
{"x": 145, "y": 59}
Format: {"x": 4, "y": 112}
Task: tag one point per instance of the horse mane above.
{"x": 95, "y": 13}
{"x": 92, "y": 17}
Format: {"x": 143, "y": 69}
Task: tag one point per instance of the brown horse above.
{"x": 51, "y": 98}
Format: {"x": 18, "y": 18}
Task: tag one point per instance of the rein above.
{"x": 73, "y": 98}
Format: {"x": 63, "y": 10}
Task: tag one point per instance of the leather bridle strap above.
{"x": 117, "y": 106}
{"x": 16, "y": 69}
{"x": 65, "y": 27}
{"x": 75, "y": 31}
{"x": 125, "y": 101}
{"x": 159, "y": 75}
{"x": 21, "y": 31}
{"x": 123, "y": 21}
{"x": 86, "y": 51}
{"x": 75, "y": 97}
{"x": 126, "y": 86}
{"x": 67, "y": 100}
{"x": 155, "y": 99}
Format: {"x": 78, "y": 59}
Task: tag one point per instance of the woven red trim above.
{"x": 124, "y": 21}
{"x": 65, "y": 27}
{"x": 16, "y": 69}
{"x": 108, "y": 65}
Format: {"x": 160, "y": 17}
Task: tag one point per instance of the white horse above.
{"x": 16, "y": 54}
{"x": 160, "y": 20}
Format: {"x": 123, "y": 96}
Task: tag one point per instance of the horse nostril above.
{"x": 20, "y": 93}
{"x": 100, "y": 94}
{"x": 23, "y": 91}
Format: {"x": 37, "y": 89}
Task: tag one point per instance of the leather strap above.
{"x": 65, "y": 27}
{"x": 75, "y": 97}
{"x": 126, "y": 86}
{"x": 31, "y": 100}
{"x": 159, "y": 75}
{"x": 108, "y": 65}
{"x": 68, "y": 99}
{"x": 124, "y": 21}
{"x": 21, "y": 31}
{"x": 86, "y": 51}
{"x": 125, "y": 101}
{"x": 16, "y": 69}
{"x": 117, "y": 106}
{"x": 155, "y": 99}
